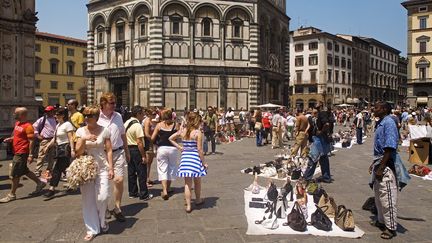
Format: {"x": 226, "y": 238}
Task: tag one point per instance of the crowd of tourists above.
{"x": 125, "y": 144}
{"x": 119, "y": 148}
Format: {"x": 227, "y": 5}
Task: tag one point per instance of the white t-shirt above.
{"x": 115, "y": 126}
{"x": 291, "y": 121}
{"x": 62, "y": 132}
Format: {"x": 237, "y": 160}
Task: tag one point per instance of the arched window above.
{"x": 120, "y": 26}
{"x": 176, "y": 21}
{"x": 84, "y": 69}
{"x": 70, "y": 68}
{"x": 337, "y": 91}
{"x": 237, "y": 24}
{"x": 54, "y": 66}
{"x": 100, "y": 35}
{"x": 142, "y": 26}
{"x": 349, "y": 91}
{"x": 207, "y": 27}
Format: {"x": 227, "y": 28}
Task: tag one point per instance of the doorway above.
{"x": 121, "y": 91}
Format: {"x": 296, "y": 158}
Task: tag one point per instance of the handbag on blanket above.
{"x": 317, "y": 194}
{"x": 288, "y": 189}
{"x": 296, "y": 174}
{"x": 345, "y": 218}
{"x": 281, "y": 206}
{"x": 272, "y": 192}
{"x": 312, "y": 187}
{"x": 328, "y": 205}
{"x": 269, "y": 220}
{"x": 320, "y": 220}
{"x": 296, "y": 219}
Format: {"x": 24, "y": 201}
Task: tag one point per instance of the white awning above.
{"x": 422, "y": 100}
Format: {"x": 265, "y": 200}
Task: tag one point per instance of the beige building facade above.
{"x": 189, "y": 53}
{"x": 17, "y": 41}
{"x": 419, "y": 52}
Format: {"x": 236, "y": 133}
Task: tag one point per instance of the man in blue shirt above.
{"x": 383, "y": 170}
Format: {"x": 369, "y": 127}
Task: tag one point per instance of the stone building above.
{"x": 17, "y": 40}
{"x": 60, "y": 66}
{"x": 180, "y": 53}
{"x": 419, "y": 52}
{"x": 383, "y": 79}
{"x": 360, "y": 70}
{"x": 321, "y": 68}
{"x": 402, "y": 81}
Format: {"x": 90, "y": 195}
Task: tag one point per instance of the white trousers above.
{"x": 167, "y": 157}
{"x": 386, "y": 193}
{"x": 95, "y": 197}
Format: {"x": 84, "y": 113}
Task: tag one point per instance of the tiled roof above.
{"x": 60, "y": 37}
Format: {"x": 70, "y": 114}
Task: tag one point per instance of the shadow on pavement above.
{"x": 209, "y": 202}
{"x": 128, "y": 210}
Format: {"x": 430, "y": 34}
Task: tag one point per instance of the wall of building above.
{"x": 68, "y": 85}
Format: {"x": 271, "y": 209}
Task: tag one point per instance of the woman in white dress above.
{"x": 95, "y": 140}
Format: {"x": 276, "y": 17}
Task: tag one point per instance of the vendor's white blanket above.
{"x": 253, "y": 214}
{"x": 426, "y": 177}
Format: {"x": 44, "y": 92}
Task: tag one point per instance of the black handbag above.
{"x": 63, "y": 150}
{"x": 296, "y": 219}
{"x": 288, "y": 189}
{"x": 317, "y": 194}
{"x": 320, "y": 220}
{"x": 272, "y": 192}
{"x": 296, "y": 174}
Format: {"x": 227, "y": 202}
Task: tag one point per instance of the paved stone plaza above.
{"x": 222, "y": 218}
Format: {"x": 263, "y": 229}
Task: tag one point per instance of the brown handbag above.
{"x": 327, "y": 205}
{"x": 345, "y": 219}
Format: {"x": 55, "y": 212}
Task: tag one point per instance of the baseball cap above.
{"x": 49, "y": 108}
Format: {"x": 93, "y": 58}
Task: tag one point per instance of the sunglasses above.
{"x": 90, "y": 115}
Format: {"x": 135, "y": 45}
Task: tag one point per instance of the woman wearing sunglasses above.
{"x": 95, "y": 140}
{"x": 65, "y": 149}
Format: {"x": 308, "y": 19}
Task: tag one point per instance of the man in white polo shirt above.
{"x": 113, "y": 121}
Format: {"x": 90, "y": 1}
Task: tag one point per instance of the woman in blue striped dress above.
{"x": 192, "y": 166}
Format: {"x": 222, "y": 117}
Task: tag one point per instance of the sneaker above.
{"x": 39, "y": 188}
{"x": 37, "y": 173}
{"x": 146, "y": 197}
{"x": 213, "y": 153}
{"x": 119, "y": 216}
{"x": 49, "y": 194}
{"x": 9, "y": 197}
{"x": 133, "y": 195}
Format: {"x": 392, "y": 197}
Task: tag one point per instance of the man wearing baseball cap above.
{"x": 44, "y": 129}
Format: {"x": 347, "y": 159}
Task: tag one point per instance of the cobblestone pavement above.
{"x": 222, "y": 218}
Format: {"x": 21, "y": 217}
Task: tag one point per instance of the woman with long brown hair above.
{"x": 149, "y": 125}
{"x": 192, "y": 166}
{"x": 167, "y": 154}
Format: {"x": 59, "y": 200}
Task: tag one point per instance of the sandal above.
{"x": 89, "y": 237}
{"x": 388, "y": 234}
{"x": 165, "y": 196}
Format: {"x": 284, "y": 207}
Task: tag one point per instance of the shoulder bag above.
{"x": 328, "y": 205}
{"x": 269, "y": 220}
{"x": 317, "y": 194}
{"x": 258, "y": 126}
{"x": 345, "y": 218}
{"x": 272, "y": 192}
{"x": 320, "y": 220}
{"x": 296, "y": 219}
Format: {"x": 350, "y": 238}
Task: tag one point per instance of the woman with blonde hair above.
{"x": 192, "y": 166}
{"x": 167, "y": 154}
{"x": 94, "y": 140}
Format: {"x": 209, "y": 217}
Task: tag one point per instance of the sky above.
{"x": 384, "y": 20}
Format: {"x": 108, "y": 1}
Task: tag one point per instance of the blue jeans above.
{"x": 259, "y": 137}
{"x": 319, "y": 151}
{"x": 209, "y": 137}
{"x": 359, "y": 135}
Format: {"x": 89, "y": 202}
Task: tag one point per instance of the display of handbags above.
{"x": 296, "y": 219}
{"x": 320, "y": 220}
{"x": 345, "y": 218}
{"x": 328, "y": 205}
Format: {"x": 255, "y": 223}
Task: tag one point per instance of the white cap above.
{"x": 413, "y": 114}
